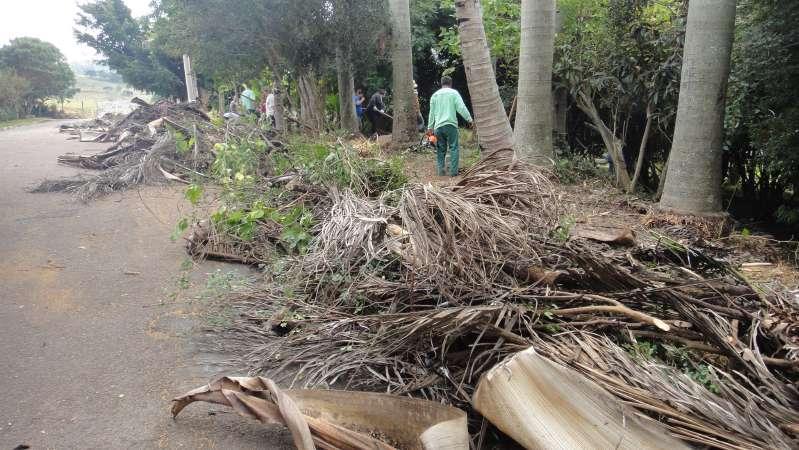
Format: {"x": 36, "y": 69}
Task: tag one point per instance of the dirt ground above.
{"x": 97, "y": 333}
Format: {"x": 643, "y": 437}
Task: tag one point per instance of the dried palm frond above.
{"x": 424, "y": 297}
{"x": 739, "y": 416}
{"x": 140, "y": 167}
{"x": 140, "y": 154}
{"x": 352, "y": 234}
{"x": 519, "y": 189}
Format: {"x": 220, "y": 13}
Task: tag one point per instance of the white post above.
{"x": 191, "y": 79}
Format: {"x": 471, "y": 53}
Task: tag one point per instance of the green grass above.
{"x": 20, "y": 122}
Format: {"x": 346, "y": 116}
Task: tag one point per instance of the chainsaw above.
{"x": 427, "y": 142}
{"x": 431, "y": 138}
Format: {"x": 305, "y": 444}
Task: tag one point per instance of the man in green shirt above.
{"x": 445, "y": 106}
{"x": 247, "y": 100}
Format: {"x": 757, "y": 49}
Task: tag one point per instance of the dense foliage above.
{"x": 762, "y": 121}
{"x": 13, "y": 89}
{"x": 623, "y": 58}
{"x": 126, "y": 47}
{"x": 32, "y": 71}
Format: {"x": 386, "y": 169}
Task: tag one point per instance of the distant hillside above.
{"x": 97, "y": 96}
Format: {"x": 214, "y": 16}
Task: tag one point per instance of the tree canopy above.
{"x": 125, "y": 45}
{"x": 616, "y": 71}
{"x": 32, "y": 71}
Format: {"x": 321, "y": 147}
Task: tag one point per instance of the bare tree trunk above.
{"x": 493, "y": 127}
{"x": 403, "y": 131}
{"x": 533, "y": 130}
{"x": 639, "y": 164}
{"x": 346, "y": 89}
{"x": 512, "y": 111}
{"x": 220, "y": 93}
{"x": 311, "y": 106}
{"x": 693, "y": 182}
{"x": 612, "y": 143}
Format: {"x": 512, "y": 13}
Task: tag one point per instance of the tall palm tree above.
{"x": 493, "y": 126}
{"x": 533, "y": 128}
{"x": 693, "y": 180}
{"x": 404, "y": 124}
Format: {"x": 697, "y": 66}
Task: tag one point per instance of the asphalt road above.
{"x": 96, "y": 336}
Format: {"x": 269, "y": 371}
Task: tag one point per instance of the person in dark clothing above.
{"x": 376, "y": 108}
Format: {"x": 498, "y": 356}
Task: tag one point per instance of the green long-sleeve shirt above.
{"x": 444, "y": 105}
{"x": 248, "y": 100}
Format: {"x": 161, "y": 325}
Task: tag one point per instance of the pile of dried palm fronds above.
{"x": 144, "y": 149}
{"x": 95, "y": 130}
{"x": 424, "y": 295}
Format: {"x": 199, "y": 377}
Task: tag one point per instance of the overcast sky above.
{"x": 52, "y": 21}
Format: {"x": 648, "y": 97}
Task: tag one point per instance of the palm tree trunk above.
{"x": 346, "y": 89}
{"x": 403, "y": 131}
{"x": 493, "y": 127}
{"x": 693, "y": 181}
{"x": 533, "y": 126}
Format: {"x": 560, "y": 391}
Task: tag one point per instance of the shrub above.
{"x": 574, "y": 168}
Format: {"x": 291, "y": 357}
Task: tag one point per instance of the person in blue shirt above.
{"x": 359, "y": 100}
